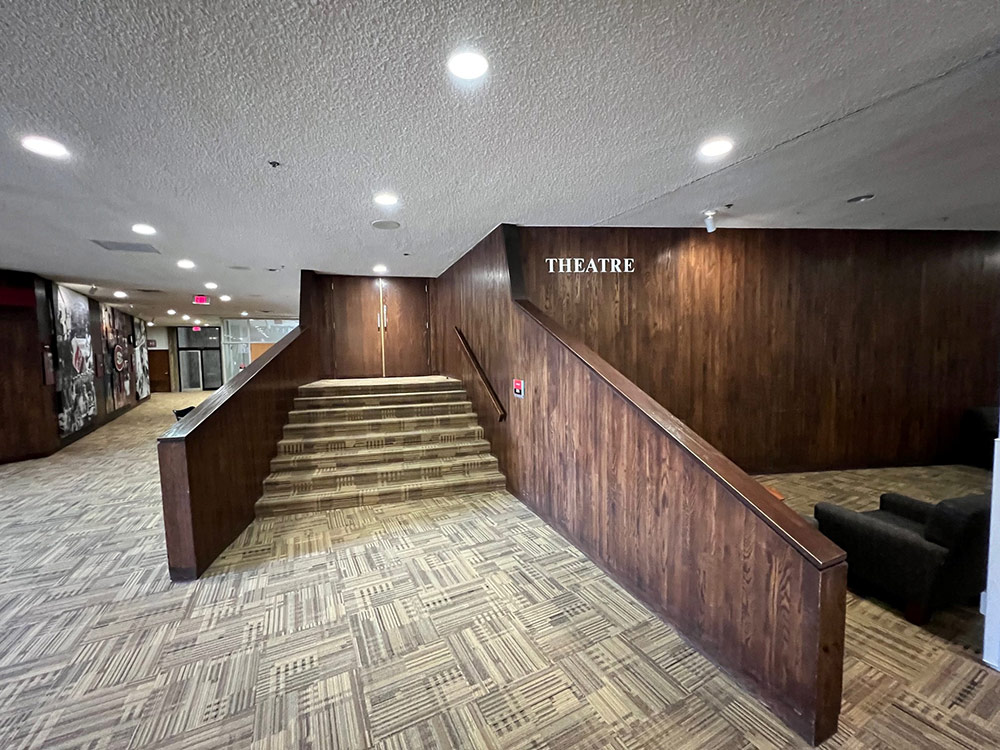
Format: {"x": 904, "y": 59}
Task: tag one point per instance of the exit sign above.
{"x": 518, "y": 388}
{"x": 202, "y": 299}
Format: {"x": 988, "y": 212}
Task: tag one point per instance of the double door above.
{"x": 382, "y": 327}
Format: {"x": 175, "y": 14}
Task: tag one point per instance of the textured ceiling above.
{"x": 591, "y": 114}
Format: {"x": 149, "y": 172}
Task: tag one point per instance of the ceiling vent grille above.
{"x": 126, "y": 247}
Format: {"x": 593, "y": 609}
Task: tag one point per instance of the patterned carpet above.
{"x": 456, "y": 623}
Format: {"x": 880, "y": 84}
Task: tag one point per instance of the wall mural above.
{"x": 75, "y": 374}
{"x": 116, "y": 328}
{"x": 141, "y": 360}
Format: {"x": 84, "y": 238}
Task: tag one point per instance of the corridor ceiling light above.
{"x": 244, "y": 313}
{"x": 37, "y": 144}
{"x": 211, "y": 285}
{"x": 386, "y": 199}
{"x": 171, "y": 312}
{"x": 715, "y": 147}
{"x": 185, "y": 317}
{"x": 468, "y": 65}
{"x": 225, "y": 298}
{"x": 143, "y": 229}
{"x": 197, "y": 322}
{"x": 120, "y": 294}
{"x": 185, "y": 264}
{"x": 380, "y": 268}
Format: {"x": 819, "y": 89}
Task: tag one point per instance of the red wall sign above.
{"x": 518, "y": 388}
{"x": 201, "y": 299}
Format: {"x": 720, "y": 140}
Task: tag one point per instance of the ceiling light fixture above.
{"x": 709, "y": 220}
{"x": 468, "y": 65}
{"x": 185, "y": 264}
{"x": 47, "y": 147}
{"x": 143, "y": 229}
{"x": 197, "y": 322}
{"x": 715, "y": 147}
{"x": 225, "y": 298}
{"x": 244, "y": 313}
{"x": 211, "y": 285}
{"x": 385, "y": 224}
{"x": 861, "y": 198}
{"x": 386, "y": 199}
{"x": 120, "y": 294}
{"x": 171, "y": 312}
{"x": 185, "y": 317}
{"x": 380, "y": 268}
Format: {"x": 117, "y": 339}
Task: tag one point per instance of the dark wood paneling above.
{"x": 682, "y": 527}
{"x": 406, "y": 330}
{"x": 159, "y": 371}
{"x": 317, "y": 316}
{"x": 28, "y": 422}
{"x": 835, "y": 348}
{"x": 356, "y": 310}
{"x": 214, "y": 461}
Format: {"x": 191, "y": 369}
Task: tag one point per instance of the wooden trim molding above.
{"x": 483, "y": 379}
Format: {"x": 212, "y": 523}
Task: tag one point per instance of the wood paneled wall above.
{"x": 741, "y": 575}
{"x": 28, "y": 423}
{"x": 791, "y": 349}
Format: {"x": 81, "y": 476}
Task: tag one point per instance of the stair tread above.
{"x": 356, "y": 409}
{"x": 399, "y": 394}
{"x": 376, "y": 489}
{"x": 404, "y": 448}
{"x": 382, "y": 467}
{"x": 393, "y": 437}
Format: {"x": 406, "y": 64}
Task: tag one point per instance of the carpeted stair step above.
{"x": 377, "y": 494}
{"x": 388, "y": 411}
{"x": 379, "y": 399}
{"x": 305, "y": 481}
{"x": 328, "y": 443}
{"x": 401, "y": 424}
{"x": 381, "y": 454}
{"x": 366, "y": 386}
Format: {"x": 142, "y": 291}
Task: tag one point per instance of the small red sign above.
{"x": 195, "y": 328}
{"x": 202, "y": 299}
{"x": 518, "y": 388}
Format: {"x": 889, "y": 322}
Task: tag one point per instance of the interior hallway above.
{"x": 464, "y": 622}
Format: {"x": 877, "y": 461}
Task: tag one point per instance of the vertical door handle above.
{"x": 385, "y": 318}
{"x": 378, "y": 321}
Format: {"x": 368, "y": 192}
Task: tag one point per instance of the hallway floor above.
{"x": 461, "y": 622}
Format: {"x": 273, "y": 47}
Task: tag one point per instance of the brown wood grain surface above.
{"x": 683, "y": 528}
{"x": 159, "y": 371}
{"x": 406, "y": 330}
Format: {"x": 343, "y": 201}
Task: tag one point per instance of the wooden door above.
{"x": 357, "y": 339}
{"x": 159, "y": 370}
{"x": 406, "y": 332}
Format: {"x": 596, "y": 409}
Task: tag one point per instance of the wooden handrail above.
{"x": 501, "y": 412}
{"x": 816, "y": 548}
{"x": 184, "y": 427}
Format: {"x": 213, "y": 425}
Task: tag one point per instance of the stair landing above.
{"x": 364, "y": 441}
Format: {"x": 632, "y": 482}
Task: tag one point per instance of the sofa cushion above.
{"x": 957, "y": 520}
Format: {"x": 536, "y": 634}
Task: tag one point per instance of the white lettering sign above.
{"x": 590, "y": 265}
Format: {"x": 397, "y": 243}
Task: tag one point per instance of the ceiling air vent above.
{"x": 150, "y": 291}
{"x": 240, "y": 268}
{"x": 126, "y": 247}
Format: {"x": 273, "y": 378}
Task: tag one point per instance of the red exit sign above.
{"x": 202, "y": 299}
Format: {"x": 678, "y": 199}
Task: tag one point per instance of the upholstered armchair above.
{"x": 919, "y": 556}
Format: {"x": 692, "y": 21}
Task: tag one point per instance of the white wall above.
{"x": 157, "y": 334}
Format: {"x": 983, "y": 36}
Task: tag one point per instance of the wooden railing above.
{"x": 483, "y": 379}
{"x": 214, "y": 461}
{"x": 741, "y": 575}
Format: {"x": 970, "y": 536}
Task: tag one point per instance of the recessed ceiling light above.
{"x": 714, "y": 147}
{"x": 185, "y": 264}
{"x": 171, "y": 312}
{"x": 143, "y": 229}
{"x": 861, "y": 198}
{"x": 380, "y": 268}
{"x": 386, "y": 199}
{"x": 225, "y": 298}
{"x": 197, "y": 322}
{"x": 211, "y": 285}
{"x": 244, "y": 313}
{"x": 468, "y": 65}
{"x": 36, "y": 144}
{"x": 151, "y": 323}
{"x": 385, "y": 224}
{"x": 185, "y": 317}
{"x": 120, "y": 294}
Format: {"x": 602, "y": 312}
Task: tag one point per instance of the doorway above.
{"x": 381, "y": 327}
{"x": 159, "y": 370}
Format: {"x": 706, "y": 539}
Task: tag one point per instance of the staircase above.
{"x": 378, "y": 440}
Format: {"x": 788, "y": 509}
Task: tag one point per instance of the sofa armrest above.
{"x": 894, "y": 559}
{"x": 908, "y": 507}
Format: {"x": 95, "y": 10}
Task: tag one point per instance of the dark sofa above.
{"x": 919, "y": 556}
